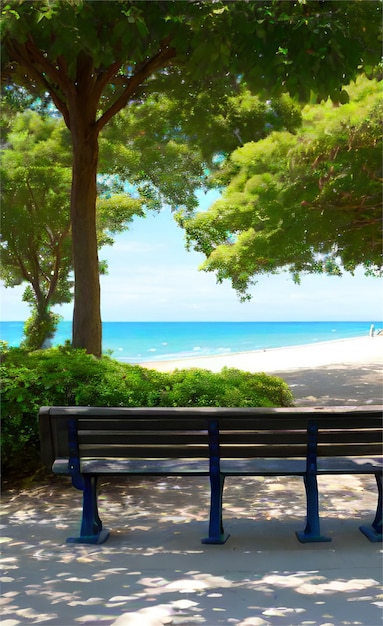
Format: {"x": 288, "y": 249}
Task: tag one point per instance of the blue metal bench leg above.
{"x": 91, "y": 525}
{"x": 374, "y": 532}
{"x": 216, "y": 531}
{"x": 312, "y": 531}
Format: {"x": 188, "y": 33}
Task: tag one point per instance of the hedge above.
{"x": 64, "y": 376}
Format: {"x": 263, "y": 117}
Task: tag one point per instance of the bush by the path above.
{"x": 63, "y": 377}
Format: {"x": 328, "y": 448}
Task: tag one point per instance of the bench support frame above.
{"x": 311, "y": 533}
{"x": 91, "y": 524}
{"x": 217, "y": 534}
{"x": 374, "y": 532}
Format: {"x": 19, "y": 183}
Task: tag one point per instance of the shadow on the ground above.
{"x": 154, "y": 570}
{"x": 336, "y": 385}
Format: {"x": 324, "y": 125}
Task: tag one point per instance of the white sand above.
{"x": 362, "y": 350}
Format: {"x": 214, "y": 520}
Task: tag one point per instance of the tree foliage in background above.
{"x": 35, "y": 240}
{"x": 167, "y": 151}
{"x": 95, "y": 58}
{"x": 308, "y": 202}
{"x": 35, "y": 245}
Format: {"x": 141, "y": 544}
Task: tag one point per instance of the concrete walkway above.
{"x": 154, "y": 570}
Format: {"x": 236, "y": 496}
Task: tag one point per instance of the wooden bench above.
{"x": 86, "y": 443}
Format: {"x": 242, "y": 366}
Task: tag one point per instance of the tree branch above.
{"x": 22, "y": 56}
{"x": 20, "y": 265}
{"x": 30, "y": 277}
{"x": 160, "y": 60}
{"x": 104, "y": 77}
{"x": 36, "y": 57}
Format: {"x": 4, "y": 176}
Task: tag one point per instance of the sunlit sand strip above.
{"x": 358, "y": 351}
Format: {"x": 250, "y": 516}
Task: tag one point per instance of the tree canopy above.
{"x": 306, "y": 202}
{"x": 94, "y": 58}
{"x": 168, "y": 151}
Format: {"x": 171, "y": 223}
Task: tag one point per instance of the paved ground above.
{"x": 336, "y": 384}
{"x": 154, "y": 570}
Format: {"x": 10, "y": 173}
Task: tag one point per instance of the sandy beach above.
{"x": 358, "y": 351}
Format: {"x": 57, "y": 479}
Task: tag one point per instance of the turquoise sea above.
{"x": 137, "y": 342}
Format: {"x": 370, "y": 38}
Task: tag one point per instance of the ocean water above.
{"x": 138, "y": 342}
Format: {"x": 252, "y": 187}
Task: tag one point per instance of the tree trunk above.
{"x": 87, "y": 331}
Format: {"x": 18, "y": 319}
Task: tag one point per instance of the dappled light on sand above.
{"x": 155, "y": 571}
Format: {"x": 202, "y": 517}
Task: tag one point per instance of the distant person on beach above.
{"x": 372, "y": 329}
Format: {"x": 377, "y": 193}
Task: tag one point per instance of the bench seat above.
{"x": 228, "y": 467}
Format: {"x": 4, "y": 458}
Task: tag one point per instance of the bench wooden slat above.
{"x": 226, "y": 451}
{"x": 144, "y": 451}
{"x": 300, "y": 436}
{"x": 144, "y": 438}
{"x": 289, "y": 422}
{"x": 352, "y": 449}
{"x": 298, "y": 451}
{"x": 182, "y": 438}
{"x": 162, "y": 423}
{"x": 312, "y": 412}
{"x": 300, "y": 422}
{"x": 350, "y": 436}
{"x": 233, "y": 437}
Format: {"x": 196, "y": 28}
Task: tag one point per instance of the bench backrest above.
{"x": 177, "y": 432}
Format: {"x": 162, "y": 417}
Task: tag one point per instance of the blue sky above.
{"x": 153, "y": 278}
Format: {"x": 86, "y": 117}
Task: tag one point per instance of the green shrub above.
{"x": 64, "y": 376}
{"x": 230, "y": 387}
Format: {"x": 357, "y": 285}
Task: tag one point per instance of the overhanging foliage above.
{"x": 304, "y": 202}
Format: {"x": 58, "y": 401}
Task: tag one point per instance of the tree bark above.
{"x": 87, "y": 330}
